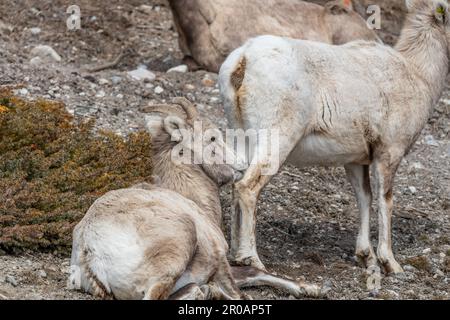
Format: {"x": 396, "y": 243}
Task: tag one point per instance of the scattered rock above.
{"x": 214, "y": 100}
{"x": 426, "y": 251}
{"x": 35, "y": 30}
{"x": 439, "y": 273}
{"x": 412, "y": 189}
{"x": 145, "y": 8}
{"x": 159, "y": 90}
{"x": 207, "y": 82}
{"x": 189, "y": 87}
{"x": 181, "y": 68}
{"x": 85, "y": 111}
{"x": 46, "y": 53}
{"x": 116, "y": 79}
{"x": 429, "y": 140}
{"x": 100, "y": 94}
{"x": 5, "y": 28}
{"x": 23, "y": 91}
{"x": 42, "y": 274}
{"x": 409, "y": 268}
{"x": 11, "y": 280}
{"x": 141, "y": 74}
{"x": 36, "y": 61}
{"x": 103, "y": 81}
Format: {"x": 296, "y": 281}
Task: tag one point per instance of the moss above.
{"x": 424, "y": 238}
{"x": 443, "y": 239}
{"x": 420, "y": 263}
{"x": 52, "y": 168}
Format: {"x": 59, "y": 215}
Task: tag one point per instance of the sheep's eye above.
{"x": 181, "y": 152}
{"x": 213, "y": 139}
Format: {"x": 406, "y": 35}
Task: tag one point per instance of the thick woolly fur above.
{"x": 354, "y": 105}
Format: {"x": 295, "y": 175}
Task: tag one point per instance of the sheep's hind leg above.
{"x": 359, "y": 178}
{"x": 253, "y": 277}
{"x": 386, "y": 167}
{"x": 189, "y": 292}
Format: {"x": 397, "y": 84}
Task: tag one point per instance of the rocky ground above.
{"x": 307, "y": 219}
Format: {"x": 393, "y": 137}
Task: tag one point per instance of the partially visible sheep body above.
{"x": 353, "y": 105}
{"x": 165, "y": 241}
{"x": 210, "y": 29}
{"x": 140, "y": 240}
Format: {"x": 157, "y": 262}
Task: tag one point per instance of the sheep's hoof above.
{"x": 392, "y": 267}
{"x": 366, "y": 258}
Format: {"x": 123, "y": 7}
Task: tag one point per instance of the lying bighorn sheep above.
{"x": 210, "y": 29}
{"x": 353, "y": 105}
{"x": 165, "y": 241}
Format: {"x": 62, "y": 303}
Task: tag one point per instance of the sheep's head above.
{"x": 192, "y": 140}
{"x": 346, "y": 24}
{"x": 431, "y": 17}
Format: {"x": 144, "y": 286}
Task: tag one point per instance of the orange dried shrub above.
{"x": 52, "y": 168}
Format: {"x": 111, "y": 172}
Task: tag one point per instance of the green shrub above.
{"x": 52, "y": 168}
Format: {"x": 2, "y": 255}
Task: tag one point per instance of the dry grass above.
{"x": 52, "y": 169}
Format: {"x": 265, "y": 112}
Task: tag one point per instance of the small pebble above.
{"x": 11, "y": 280}
{"x": 159, "y": 90}
{"x": 181, "y": 69}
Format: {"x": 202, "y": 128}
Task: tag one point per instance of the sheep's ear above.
{"x": 339, "y": 6}
{"x": 154, "y": 124}
{"x": 441, "y": 12}
{"x": 175, "y": 126}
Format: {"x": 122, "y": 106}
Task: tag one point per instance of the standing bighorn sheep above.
{"x": 210, "y": 29}
{"x": 353, "y": 105}
{"x": 165, "y": 241}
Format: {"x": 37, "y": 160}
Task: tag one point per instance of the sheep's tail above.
{"x": 231, "y": 80}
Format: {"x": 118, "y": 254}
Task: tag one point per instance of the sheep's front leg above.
{"x": 253, "y": 277}
{"x": 359, "y": 178}
{"x": 386, "y": 169}
{"x": 243, "y": 220}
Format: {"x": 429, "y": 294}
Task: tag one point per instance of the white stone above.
{"x": 103, "y": 81}
{"x": 182, "y": 68}
{"x": 159, "y": 90}
{"x": 46, "y": 53}
{"x": 412, "y": 189}
{"x": 35, "y": 30}
{"x": 141, "y": 74}
{"x": 429, "y": 140}
{"x": 426, "y": 251}
{"x": 145, "y": 8}
{"x": 100, "y": 94}
{"x": 23, "y": 91}
{"x": 36, "y": 61}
